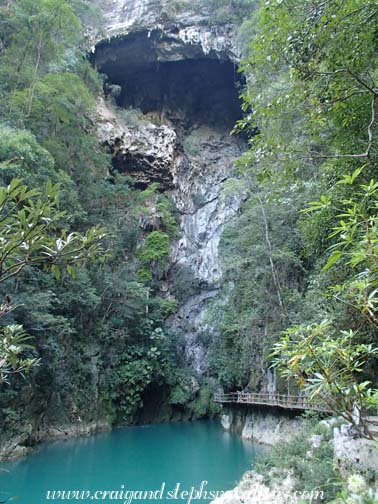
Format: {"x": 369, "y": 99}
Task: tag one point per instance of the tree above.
{"x": 36, "y": 33}
{"x": 82, "y": 324}
{"x": 262, "y": 288}
{"x": 30, "y": 235}
{"x": 325, "y": 361}
{"x": 310, "y": 109}
{"x": 327, "y": 364}
{"x": 355, "y": 238}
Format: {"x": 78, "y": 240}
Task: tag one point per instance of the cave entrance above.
{"x": 191, "y": 92}
{"x": 198, "y": 90}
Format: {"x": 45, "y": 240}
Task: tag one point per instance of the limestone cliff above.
{"x": 171, "y": 100}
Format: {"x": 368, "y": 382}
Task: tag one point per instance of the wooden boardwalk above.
{"x": 288, "y": 402}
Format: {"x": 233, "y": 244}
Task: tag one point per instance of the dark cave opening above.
{"x": 188, "y": 89}
{"x": 203, "y": 91}
{"x": 158, "y": 81}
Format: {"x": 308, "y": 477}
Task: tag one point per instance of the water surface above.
{"x": 133, "y": 458}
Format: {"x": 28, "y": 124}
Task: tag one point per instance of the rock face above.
{"x": 352, "y": 451}
{"x": 260, "y": 426}
{"x": 188, "y": 26}
{"x": 171, "y": 101}
{"x": 22, "y": 444}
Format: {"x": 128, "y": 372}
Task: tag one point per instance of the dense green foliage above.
{"x": 97, "y": 332}
{"x": 301, "y": 284}
{"x": 30, "y": 236}
{"x": 313, "y": 467}
{"x": 304, "y": 248}
{"x": 327, "y": 366}
{"x": 264, "y": 280}
{"x": 300, "y": 258}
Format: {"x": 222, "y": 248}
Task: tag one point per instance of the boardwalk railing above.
{"x": 289, "y": 402}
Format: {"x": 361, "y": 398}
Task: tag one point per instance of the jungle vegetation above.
{"x": 301, "y": 258}
{"x": 90, "y": 332}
